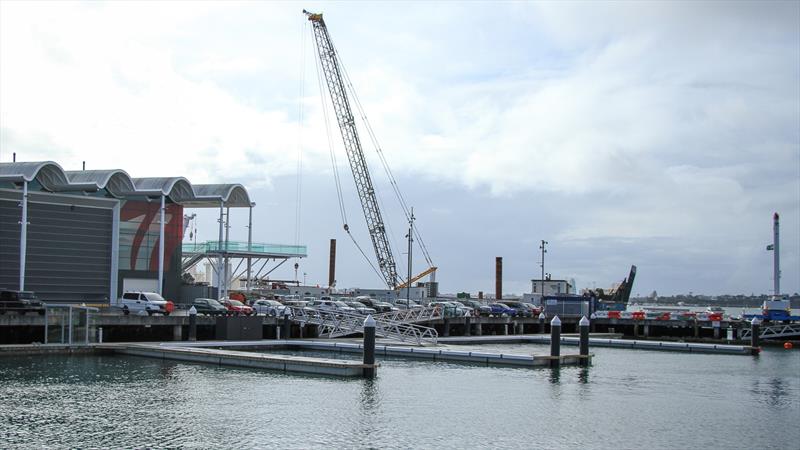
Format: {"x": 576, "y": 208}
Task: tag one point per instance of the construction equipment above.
{"x": 414, "y": 279}
{"x": 358, "y": 165}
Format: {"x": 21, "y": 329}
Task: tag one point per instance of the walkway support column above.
{"x": 227, "y": 234}
{"x": 161, "y": 248}
{"x": 249, "y": 247}
{"x": 23, "y": 236}
{"x": 219, "y": 252}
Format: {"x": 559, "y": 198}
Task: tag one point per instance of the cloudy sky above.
{"x": 658, "y": 134}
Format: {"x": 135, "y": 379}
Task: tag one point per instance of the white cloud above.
{"x": 660, "y": 121}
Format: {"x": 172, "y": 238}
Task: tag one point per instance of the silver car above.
{"x": 269, "y": 307}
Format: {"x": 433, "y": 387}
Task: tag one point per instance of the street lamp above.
{"x": 542, "y": 248}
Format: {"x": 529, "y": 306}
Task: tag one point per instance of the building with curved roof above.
{"x": 87, "y": 235}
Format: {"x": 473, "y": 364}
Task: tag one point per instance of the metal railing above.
{"x": 333, "y": 324}
{"x": 773, "y": 331}
{"x": 239, "y": 246}
{"x": 73, "y": 324}
{"x": 411, "y": 315}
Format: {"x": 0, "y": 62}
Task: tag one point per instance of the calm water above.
{"x": 628, "y": 399}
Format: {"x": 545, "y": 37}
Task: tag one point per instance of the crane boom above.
{"x": 352, "y": 144}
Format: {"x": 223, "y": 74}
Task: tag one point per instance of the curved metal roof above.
{"x": 119, "y": 184}
{"x": 178, "y": 189}
{"x": 49, "y": 174}
{"x": 233, "y": 195}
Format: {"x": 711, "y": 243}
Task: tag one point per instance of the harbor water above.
{"x": 627, "y": 399}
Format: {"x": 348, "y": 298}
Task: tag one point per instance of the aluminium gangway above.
{"x": 399, "y": 327}
{"x": 779, "y": 331}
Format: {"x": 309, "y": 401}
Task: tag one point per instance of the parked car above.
{"x": 269, "y": 307}
{"x": 376, "y": 304}
{"x": 403, "y": 303}
{"x": 383, "y": 307}
{"x": 477, "y": 307}
{"x": 21, "y": 302}
{"x": 144, "y": 302}
{"x": 209, "y": 307}
{"x": 360, "y": 307}
{"x": 519, "y": 308}
{"x": 450, "y": 309}
{"x": 343, "y": 307}
{"x": 296, "y": 303}
{"x": 237, "y": 308}
{"x": 332, "y": 306}
{"x": 499, "y": 309}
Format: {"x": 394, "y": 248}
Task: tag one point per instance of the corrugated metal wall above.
{"x": 68, "y": 252}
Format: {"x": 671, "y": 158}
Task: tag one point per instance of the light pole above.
{"x": 410, "y": 237}
{"x": 542, "y": 248}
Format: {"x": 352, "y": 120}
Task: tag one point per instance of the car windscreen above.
{"x": 155, "y": 297}
{"x": 213, "y": 302}
{"x": 340, "y": 304}
{"x": 27, "y": 295}
{"x": 236, "y": 303}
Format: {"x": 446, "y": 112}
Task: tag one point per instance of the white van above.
{"x": 138, "y": 302}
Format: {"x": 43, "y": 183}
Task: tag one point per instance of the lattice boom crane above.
{"x": 358, "y": 164}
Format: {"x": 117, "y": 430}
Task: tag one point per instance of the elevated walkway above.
{"x": 338, "y": 324}
{"x": 255, "y": 260}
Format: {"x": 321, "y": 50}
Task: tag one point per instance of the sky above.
{"x": 663, "y": 135}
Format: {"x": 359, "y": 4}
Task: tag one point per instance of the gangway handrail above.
{"x": 773, "y": 331}
{"x": 338, "y": 323}
{"x": 412, "y": 315}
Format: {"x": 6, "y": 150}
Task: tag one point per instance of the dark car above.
{"x": 209, "y": 307}
{"x": 499, "y": 309}
{"x": 20, "y": 302}
{"x": 521, "y": 309}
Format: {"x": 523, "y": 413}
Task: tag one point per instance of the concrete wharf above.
{"x": 22, "y": 329}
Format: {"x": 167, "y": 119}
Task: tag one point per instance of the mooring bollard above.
{"x": 369, "y": 347}
{"x": 100, "y": 335}
{"x": 584, "y": 344}
{"x": 541, "y": 322}
{"x": 192, "y": 323}
{"x": 755, "y": 330}
{"x": 467, "y": 326}
{"x": 555, "y": 341}
{"x": 286, "y": 333}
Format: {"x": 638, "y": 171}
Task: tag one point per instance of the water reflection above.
{"x": 369, "y": 399}
{"x": 774, "y": 394}
{"x": 583, "y": 376}
{"x": 555, "y": 375}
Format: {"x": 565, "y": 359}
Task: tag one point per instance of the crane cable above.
{"x": 382, "y": 157}
{"x": 300, "y": 114}
{"x": 334, "y": 164}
